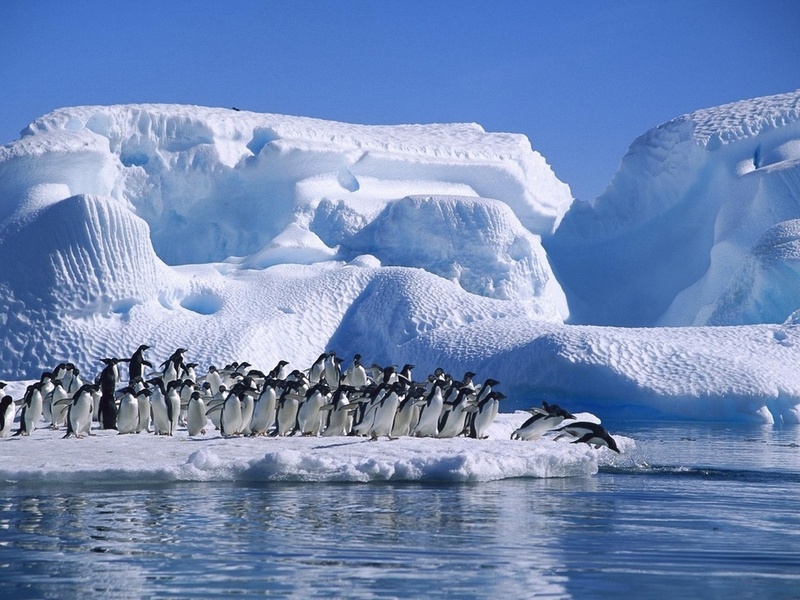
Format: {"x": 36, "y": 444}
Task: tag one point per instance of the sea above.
{"x": 698, "y": 510}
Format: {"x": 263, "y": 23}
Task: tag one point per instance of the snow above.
{"x": 258, "y": 237}
{"x": 667, "y": 242}
{"x": 106, "y": 456}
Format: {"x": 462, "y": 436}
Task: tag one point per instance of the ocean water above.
{"x": 697, "y": 510}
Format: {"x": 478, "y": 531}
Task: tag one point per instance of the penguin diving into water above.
{"x": 589, "y": 433}
{"x": 543, "y": 420}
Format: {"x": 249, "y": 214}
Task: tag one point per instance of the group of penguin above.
{"x": 323, "y": 400}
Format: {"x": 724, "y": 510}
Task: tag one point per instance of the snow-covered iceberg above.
{"x": 244, "y": 236}
{"x": 676, "y": 236}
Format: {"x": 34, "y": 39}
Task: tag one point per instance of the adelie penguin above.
{"x": 107, "y": 407}
{"x": 137, "y": 362}
{"x": 128, "y": 413}
{"x": 173, "y": 367}
{"x": 543, "y": 420}
{"x": 453, "y": 420}
{"x": 7, "y": 412}
{"x": 317, "y": 370}
{"x": 484, "y": 413}
{"x": 430, "y": 411}
{"x": 196, "y": 415}
{"x": 79, "y": 415}
{"x": 264, "y": 408}
{"x": 31, "y": 410}
{"x": 589, "y": 433}
{"x": 356, "y": 375}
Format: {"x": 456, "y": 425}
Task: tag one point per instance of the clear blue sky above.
{"x": 581, "y": 79}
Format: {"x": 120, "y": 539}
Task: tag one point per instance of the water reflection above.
{"x": 206, "y": 540}
{"x": 695, "y": 508}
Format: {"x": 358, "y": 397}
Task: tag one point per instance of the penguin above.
{"x": 230, "y": 375}
{"x": 389, "y": 375}
{"x": 486, "y": 389}
{"x": 196, "y": 415}
{"x": 333, "y": 370}
{"x": 75, "y": 380}
{"x": 185, "y": 390}
{"x": 173, "y": 399}
{"x": 450, "y": 394}
{"x": 60, "y": 372}
{"x": 404, "y": 418}
{"x": 230, "y": 420}
{"x": 46, "y": 387}
{"x": 173, "y": 366}
{"x": 160, "y": 407}
{"x": 79, "y": 415}
{"x": 308, "y": 414}
{"x": 128, "y": 413}
{"x": 264, "y": 408}
{"x": 483, "y": 415}
{"x": 7, "y": 412}
{"x": 375, "y": 373}
{"x": 67, "y": 374}
{"x": 453, "y": 420}
{"x": 287, "y": 406}
{"x": 467, "y": 381}
{"x": 364, "y": 417}
{"x": 356, "y": 375}
{"x": 137, "y": 362}
{"x": 430, "y": 411}
{"x": 480, "y": 392}
{"x": 386, "y": 410}
{"x": 338, "y": 420}
{"x": 214, "y": 405}
{"x": 59, "y": 405}
{"x": 543, "y": 420}
{"x": 317, "y": 370}
{"x": 242, "y": 368}
{"x": 248, "y": 405}
{"x": 107, "y": 408}
{"x": 31, "y": 410}
{"x": 190, "y": 372}
{"x": 143, "y": 400}
{"x": 405, "y": 373}
{"x": 589, "y": 433}
{"x": 279, "y": 371}
{"x": 214, "y": 379}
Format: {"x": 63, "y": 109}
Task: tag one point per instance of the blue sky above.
{"x": 581, "y": 79}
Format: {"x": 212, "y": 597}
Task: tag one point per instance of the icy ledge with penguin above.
{"x": 254, "y": 236}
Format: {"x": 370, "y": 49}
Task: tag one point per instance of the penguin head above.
{"x": 556, "y": 411}
{"x": 612, "y": 444}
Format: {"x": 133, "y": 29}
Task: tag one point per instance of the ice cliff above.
{"x": 676, "y": 238}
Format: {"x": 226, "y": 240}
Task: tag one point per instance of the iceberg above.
{"x": 258, "y": 237}
{"x": 668, "y": 241}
